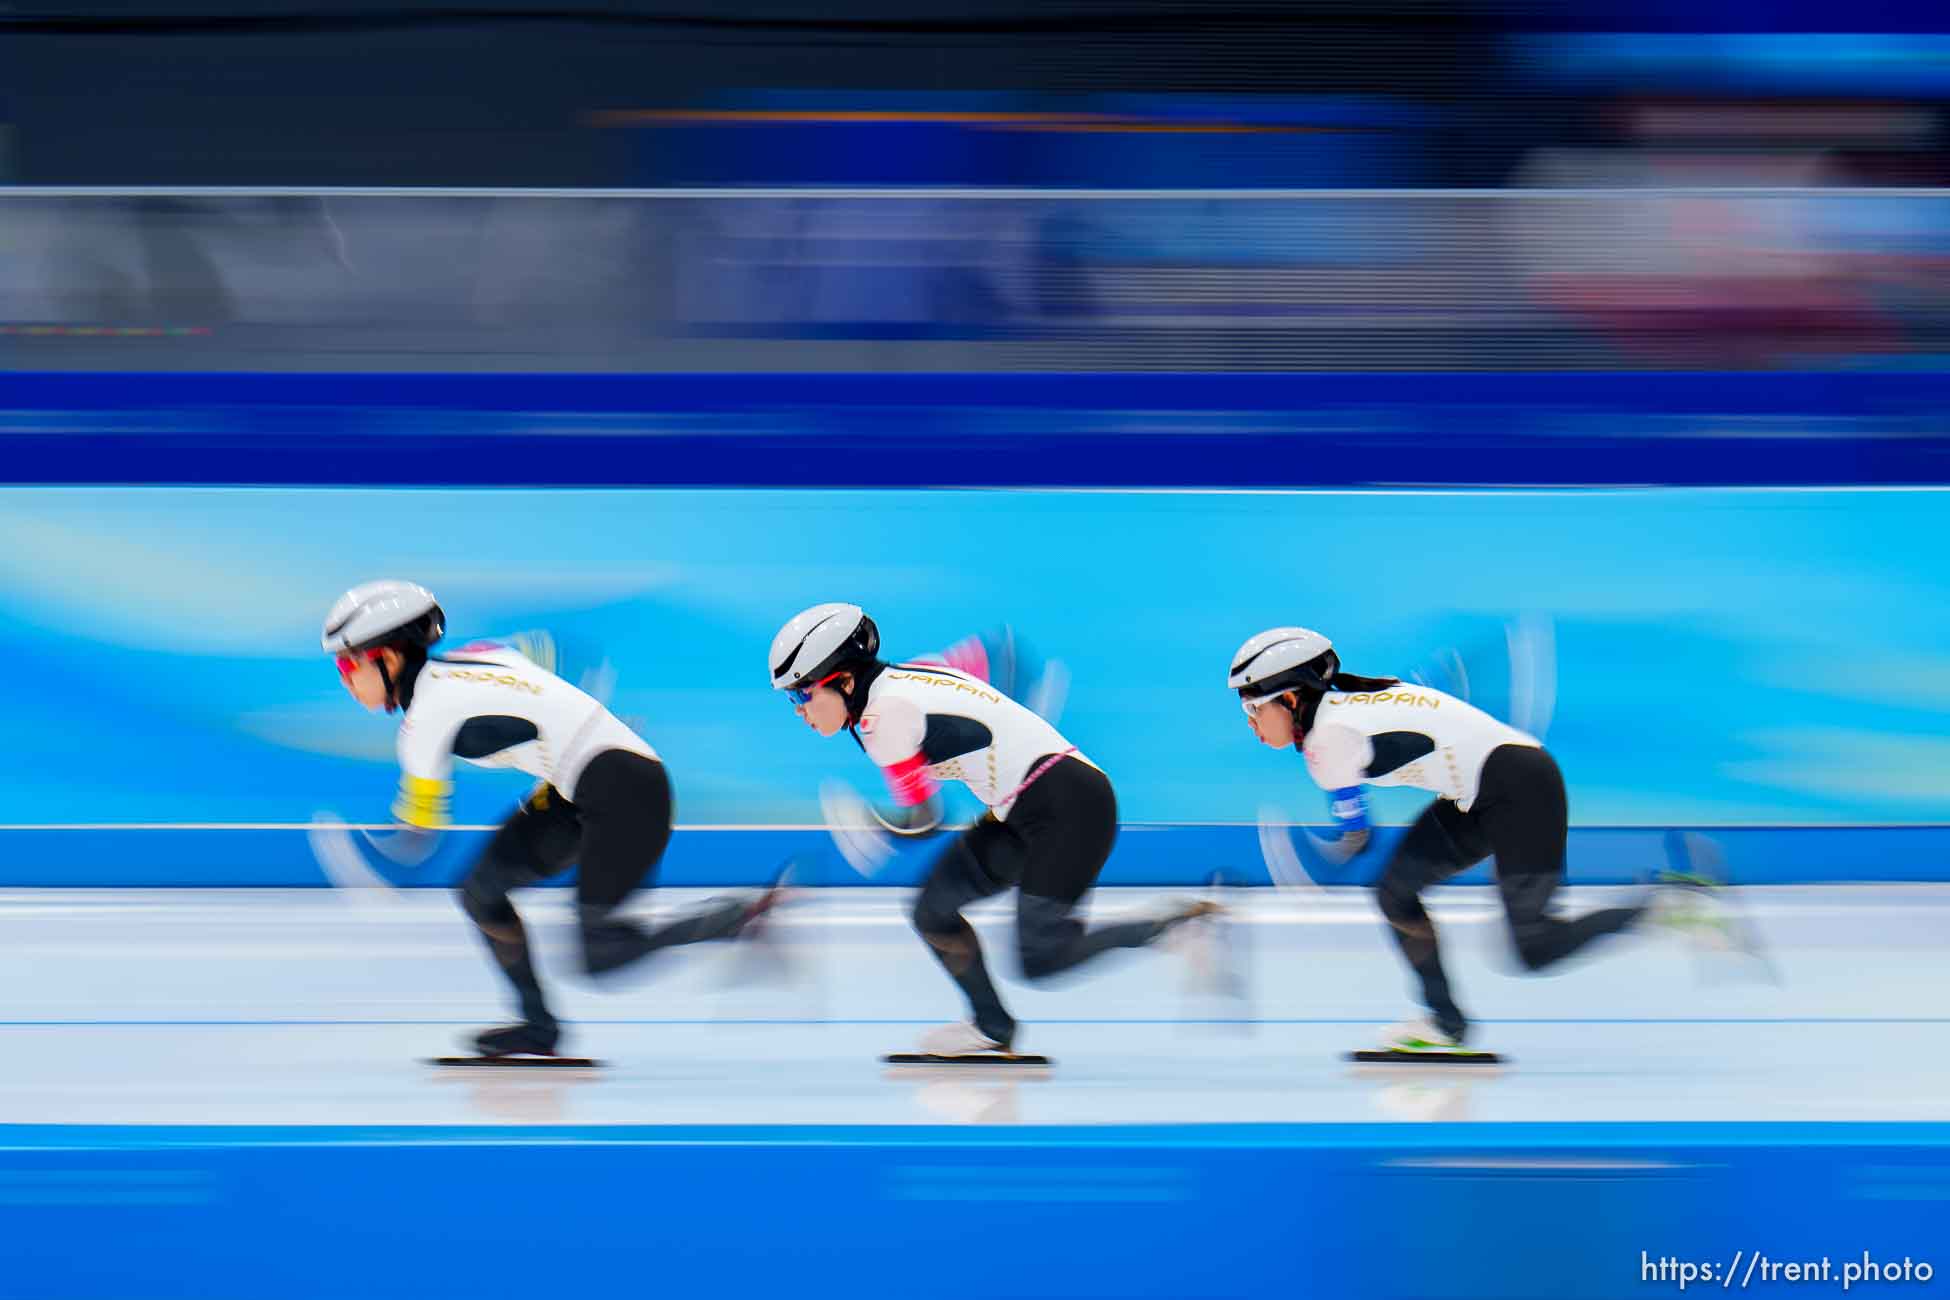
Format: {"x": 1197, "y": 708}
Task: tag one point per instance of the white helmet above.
{"x": 376, "y": 613}
{"x": 819, "y": 639}
{"x": 1275, "y": 662}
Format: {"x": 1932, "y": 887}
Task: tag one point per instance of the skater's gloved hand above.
{"x": 358, "y": 859}
{"x": 1340, "y": 851}
{"x": 856, "y": 834}
{"x": 1350, "y": 810}
{"x": 1351, "y": 843}
{"x": 404, "y": 845}
{"x": 923, "y": 818}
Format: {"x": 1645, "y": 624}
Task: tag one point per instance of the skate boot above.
{"x": 759, "y": 909}
{"x": 737, "y": 917}
{"x": 962, "y": 1044}
{"x": 763, "y": 955}
{"x": 530, "y": 1038}
{"x": 528, "y": 1044}
{"x": 1419, "y": 1034}
{"x": 960, "y": 1039}
{"x": 1422, "y": 1041}
{"x": 1205, "y": 934}
{"x": 1692, "y": 899}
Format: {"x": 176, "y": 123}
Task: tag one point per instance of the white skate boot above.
{"x": 962, "y": 1044}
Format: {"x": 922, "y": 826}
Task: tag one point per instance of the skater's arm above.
{"x": 426, "y": 762}
{"x": 968, "y": 655}
{"x": 422, "y": 803}
{"x": 405, "y": 845}
{"x": 1338, "y": 756}
{"x": 1338, "y": 759}
{"x": 911, "y": 819}
{"x": 892, "y": 734}
{"x": 1350, "y": 811}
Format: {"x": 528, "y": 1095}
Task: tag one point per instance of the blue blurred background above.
{"x": 1599, "y": 347}
{"x": 1717, "y": 657}
{"x": 1590, "y": 357}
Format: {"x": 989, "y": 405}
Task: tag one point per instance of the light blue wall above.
{"x": 1721, "y": 658}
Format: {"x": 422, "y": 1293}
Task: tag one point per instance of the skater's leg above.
{"x": 982, "y": 861}
{"x": 536, "y": 842}
{"x": 1543, "y": 940}
{"x": 627, "y": 812}
{"x": 1524, "y": 814}
{"x": 1053, "y": 940}
{"x": 1442, "y": 842}
{"x": 1068, "y": 824}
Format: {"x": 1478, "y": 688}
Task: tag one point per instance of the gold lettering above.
{"x": 1385, "y": 697}
{"x": 955, "y": 683}
{"x": 492, "y": 679}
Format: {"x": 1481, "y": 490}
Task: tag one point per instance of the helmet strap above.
{"x": 386, "y": 676}
{"x": 864, "y": 675}
{"x": 1306, "y": 703}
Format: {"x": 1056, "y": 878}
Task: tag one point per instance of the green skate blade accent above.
{"x": 518, "y": 1062}
{"x": 1392, "y": 1057}
{"x": 990, "y": 1059}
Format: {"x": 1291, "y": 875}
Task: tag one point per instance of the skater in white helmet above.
{"x": 604, "y": 801}
{"x": 1498, "y": 792}
{"x": 1051, "y": 819}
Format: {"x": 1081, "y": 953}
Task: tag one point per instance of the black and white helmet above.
{"x": 818, "y": 640}
{"x": 1282, "y": 659}
{"x": 387, "y": 612}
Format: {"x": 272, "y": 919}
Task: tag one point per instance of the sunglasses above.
{"x": 349, "y": 663}
{"x": 1250, "y": 705}
{"x": 802, "y": 696}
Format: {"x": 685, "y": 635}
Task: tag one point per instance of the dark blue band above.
{"x": 1101, "y": 430}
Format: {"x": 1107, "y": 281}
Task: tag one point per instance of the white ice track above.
{"x": 316, "y": 1007}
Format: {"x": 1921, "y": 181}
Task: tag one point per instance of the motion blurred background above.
{"x": 1588, "y": 358}
{"x": 266, "y": 269}
{"x": 983, "y": 244}
{"x": 1463, "y": 144}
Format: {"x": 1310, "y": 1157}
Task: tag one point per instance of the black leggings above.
{"x": 1052, "y": 847}
{"x": 1520, "y": 816}
{"x": 617, "y": 830}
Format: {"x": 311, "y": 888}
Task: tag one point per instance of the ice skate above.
{"x": 1205, "y": 933}
{"x": 1421, "y": 1041}
{"x": 530, "y": 1043}
{"x": 763, "y": 957}
{"x": 1692, "y": 900}
{"x": 962, "y": 1044}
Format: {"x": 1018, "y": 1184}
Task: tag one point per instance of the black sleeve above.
{"x": 950, "y": 736}
{"x": 492, "y": 733}
{"x": 1393, "y": 749}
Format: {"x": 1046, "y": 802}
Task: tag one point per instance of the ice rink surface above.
{"x": 319, "y": 1007}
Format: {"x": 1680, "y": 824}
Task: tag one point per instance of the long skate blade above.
{"x": 989, "y": 1059}
{"x": 1425, "y": 1058}
{"x": 518, "y": 1062}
